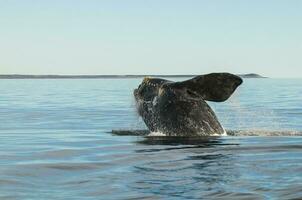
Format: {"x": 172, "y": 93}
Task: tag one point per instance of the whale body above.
{"x": 180, "y": 108}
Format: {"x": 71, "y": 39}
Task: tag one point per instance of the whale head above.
{"x": 180, "y": 108}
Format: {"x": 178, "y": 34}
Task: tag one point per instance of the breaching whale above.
{"x": 180, "y": 108}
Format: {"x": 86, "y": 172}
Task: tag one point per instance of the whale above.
{"x": 180, "y": 108}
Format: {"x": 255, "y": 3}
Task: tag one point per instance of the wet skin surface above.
{"x": 179, "y": 108}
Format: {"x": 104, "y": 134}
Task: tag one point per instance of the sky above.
{"x": 151, "y": 37}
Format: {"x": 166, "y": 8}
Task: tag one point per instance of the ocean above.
{"x": 56, "y": 143}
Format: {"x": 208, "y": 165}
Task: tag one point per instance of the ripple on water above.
{"x": 55, "y": 144}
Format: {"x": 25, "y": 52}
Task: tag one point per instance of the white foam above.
{"x": 264, "y": 133}
{"x": 156, "y": 134}
{"x": 215, "y": 134}
{"x": 224, "y": 133}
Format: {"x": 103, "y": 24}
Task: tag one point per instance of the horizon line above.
{"x": 56, "y": 76}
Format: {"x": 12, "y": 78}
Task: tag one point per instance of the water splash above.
{"x": 233, "y": 114}
{"x": 239, "y": 133}
{"x": 156, "y": 134}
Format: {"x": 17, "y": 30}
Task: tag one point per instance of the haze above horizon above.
{"x": 151, "y": 37}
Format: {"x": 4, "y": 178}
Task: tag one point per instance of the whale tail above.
{"x": 216, "y": 87}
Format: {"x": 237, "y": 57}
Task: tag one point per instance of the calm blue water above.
{"x": 55, "y": 145}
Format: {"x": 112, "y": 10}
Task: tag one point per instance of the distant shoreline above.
{"x": 22, "y": 76}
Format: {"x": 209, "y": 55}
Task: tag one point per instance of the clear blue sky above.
{"x": 151, "y": 37}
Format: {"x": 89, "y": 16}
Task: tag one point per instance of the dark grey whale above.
{"x": 180, "y": 108}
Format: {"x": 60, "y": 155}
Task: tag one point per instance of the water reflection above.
{"x": 184, "y": 167}
{"x": 175, "y": 141}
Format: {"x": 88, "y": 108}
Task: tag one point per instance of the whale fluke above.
{"x": 216, "y": 87}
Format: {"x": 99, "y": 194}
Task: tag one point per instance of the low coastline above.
{"x": 22, "y": 76}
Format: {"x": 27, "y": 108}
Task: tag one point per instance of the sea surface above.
{"x": 56, "y": 143}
